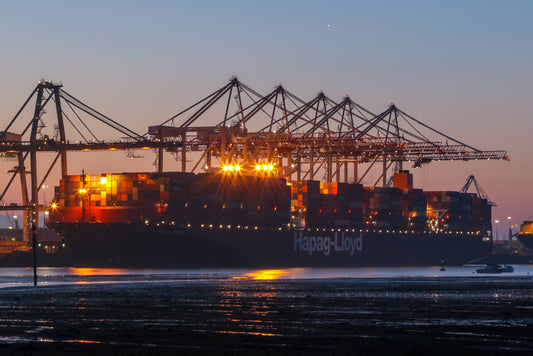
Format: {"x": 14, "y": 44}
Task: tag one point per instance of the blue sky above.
{"x": 464, "y": 67}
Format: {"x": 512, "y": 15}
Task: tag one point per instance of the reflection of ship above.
{"x": 231, "y": 219}
{"x": 525, "y": 235}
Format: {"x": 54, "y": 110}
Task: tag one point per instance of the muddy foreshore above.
{"x": 243, "y": 316}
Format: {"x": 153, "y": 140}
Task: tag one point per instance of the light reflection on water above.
{"x": 267, "y": 274}
{"x": 13, "y": 277}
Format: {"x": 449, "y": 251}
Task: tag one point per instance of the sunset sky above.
{"x": 463, "y": 67}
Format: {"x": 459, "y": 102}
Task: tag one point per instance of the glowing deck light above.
{"x": 264, "y": 167}
{"x": 103, "y": 180}
{"x": 231, "y": 168}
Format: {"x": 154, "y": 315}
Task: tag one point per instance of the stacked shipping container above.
{"x": 236, "y": 199}
{"x": 327, "y": 204}
{"x": 459, "y": 211}
{"x": 383, "y": 207}
{"x": 179, "y": 198}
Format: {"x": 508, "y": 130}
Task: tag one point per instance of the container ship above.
{"x": 262, "y": 205}
{"x": 235, "y": 219}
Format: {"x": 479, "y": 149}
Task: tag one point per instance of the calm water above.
{"x": 10, "y": 277}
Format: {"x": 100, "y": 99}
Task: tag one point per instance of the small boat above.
{"x": 507, "y": 269}
{"x": 495, "y": 269}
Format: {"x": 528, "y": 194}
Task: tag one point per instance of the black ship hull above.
{"x": 526, "y": 239}
{"x": 139, "y": 246}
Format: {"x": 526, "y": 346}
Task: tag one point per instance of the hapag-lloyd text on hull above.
{"x": 328, "y": 244}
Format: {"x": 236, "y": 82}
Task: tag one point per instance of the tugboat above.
{"x": 507, "y": 269}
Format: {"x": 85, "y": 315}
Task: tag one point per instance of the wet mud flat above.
{"x": 439, "y": 316}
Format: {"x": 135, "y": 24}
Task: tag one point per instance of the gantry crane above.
{"x": 302, "y": 137}
{"x": 26, "y": 144}
{"x": 238, "y": 127}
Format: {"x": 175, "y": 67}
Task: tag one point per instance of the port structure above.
{"x": 233, "y": 130}
{"x": 472, "y": 181}
{"x": 300, "y": 138}
{"x": 22, "y": 140}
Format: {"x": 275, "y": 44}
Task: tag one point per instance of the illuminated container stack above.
{"x": 415, "y": 209}
{"x": 383, "y": 207}
{"x": 328, "y": 204}
{"x": 459, "y": 211}
{"x": 414, "y": 202}
{"x": 234, "y": 200}
{"x": 335, "y": 204}
{"x": 444, "y": 208}
{"x": 124, "y": 197}
{"x": 306, "y": 201}
{"x": 224, "y": 199}
{"x": 174, "y": 198}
